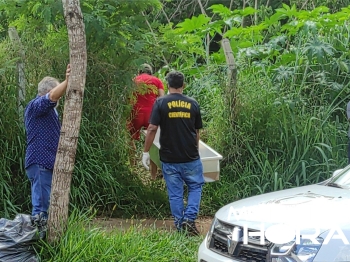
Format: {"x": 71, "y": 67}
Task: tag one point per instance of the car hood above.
{"x": 304, "y": 208}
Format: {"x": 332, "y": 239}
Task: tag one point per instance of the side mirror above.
{"x": 336, "y": 172}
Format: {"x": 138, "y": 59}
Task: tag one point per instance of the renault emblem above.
{"x": 233, "y": 239}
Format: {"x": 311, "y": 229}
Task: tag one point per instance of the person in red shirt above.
{"x": 148, "y": 89}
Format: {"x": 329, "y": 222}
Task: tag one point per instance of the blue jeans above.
{"x": 40, "y": 179}
{"x": 175, "y": 175}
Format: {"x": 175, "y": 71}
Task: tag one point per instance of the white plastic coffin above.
{"x": 209, "y": 157}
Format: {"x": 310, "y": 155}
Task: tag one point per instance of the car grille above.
{"x": 253, "y": 251}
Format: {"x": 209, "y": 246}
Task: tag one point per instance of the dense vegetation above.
{"x": 284, "y": 124}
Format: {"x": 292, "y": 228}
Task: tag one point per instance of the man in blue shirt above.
{"x": 43, "y": 132}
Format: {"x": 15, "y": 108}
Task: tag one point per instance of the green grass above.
{"x": 84, "y": 241}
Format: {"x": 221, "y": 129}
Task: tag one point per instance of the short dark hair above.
{"x": 175, "y": 79}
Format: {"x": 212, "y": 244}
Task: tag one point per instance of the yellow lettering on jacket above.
{"x": 179, "y": 114}
{"x": 179, "y": 104}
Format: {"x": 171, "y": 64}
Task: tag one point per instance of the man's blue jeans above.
{"x": 40, "y": 179}
{"x": 175, "y": 174}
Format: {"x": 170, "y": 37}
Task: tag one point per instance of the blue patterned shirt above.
{"x": 43, "y": 132}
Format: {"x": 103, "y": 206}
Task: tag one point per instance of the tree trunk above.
{"x": 207, "y": 46}
{"x": 256, "y": 12}
{"x": 154, "y": 36}
{"x": 65, "y": 158}
{"x": 21, "y": 79}
{"x": 243, "y": 18}
{"x": 232, "y": 79}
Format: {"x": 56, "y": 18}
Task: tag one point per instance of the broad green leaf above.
{"x": 89, "y": 6}
{"x": 220, "y": 9}
{"x": 286, "y": 10}
{"x": 319, "y": 10}
{"x": 215, "y": 27}
{"x": 274, "y": 18}
{"x": 47, "y": 14}
{"x": 193, "y": 24}
{"x": 310, "y": 26}
{"x": 318, "y": 49}
{"x": 246, "y": 11}
{"x": 293, "y": 27}
{"x": 36, "y": 7}
{"x": 344, "y": 67}
{"x": 233, "y": 32}
{"x": 233, "y": 20}
{"x": 138, "y": 46}
{"x": 286, "y": 59}
{"x": 245, "y": 44}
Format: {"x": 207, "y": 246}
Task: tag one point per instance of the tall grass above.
{"x": 11, "y": 141}
{"x": 282, "y": 136}
{"x": 102, "y": 180}
{"x": 82, "y": 242}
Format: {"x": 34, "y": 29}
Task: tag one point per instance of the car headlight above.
{"x": 220, "y": 228}
{"x": 292, "y": 252}
{"x": 210, "y": 232}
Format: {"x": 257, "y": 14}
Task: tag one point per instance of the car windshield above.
{"x": 341, "y": 178}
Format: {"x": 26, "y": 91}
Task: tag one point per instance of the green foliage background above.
{"x": 284, "y": 125}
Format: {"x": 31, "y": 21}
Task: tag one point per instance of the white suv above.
{"x": 303, "y": 224}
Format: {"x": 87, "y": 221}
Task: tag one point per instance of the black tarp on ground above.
{"x": 17, "y": 239}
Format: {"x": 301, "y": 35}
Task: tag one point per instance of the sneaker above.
{"x": 190, "y": 228}
{"x": 40, "y": 221}
{"x": 35, "y": 220}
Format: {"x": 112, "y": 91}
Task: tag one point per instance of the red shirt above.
{"x": 147, "y": 91}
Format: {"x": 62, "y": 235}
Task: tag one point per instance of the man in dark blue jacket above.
{"x": 43, "y": 132}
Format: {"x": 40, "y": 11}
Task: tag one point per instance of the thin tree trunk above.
{"x": 230, "y": 7}
{"x": 169, "y": 22}
{"x": 232, "y": 78}
{"x": 304, "y": 5}
{"x": 154, "y": 36}
{"x": 256, "y": 12}
{"x": 166, "y": 16}
{"x": 243, "y": 18}
{"x": 207, "y": 46}
{"x": 177, "y": 8}
{"x": 65, "y": 158}
{"x": 21, "y": 79}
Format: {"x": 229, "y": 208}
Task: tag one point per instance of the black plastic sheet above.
{"x": 17, "y": 239}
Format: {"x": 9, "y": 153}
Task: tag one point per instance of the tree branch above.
{"x": 230, "y": 7}
{"x": 154, "y": 36}
{"x": 208, "y": 36}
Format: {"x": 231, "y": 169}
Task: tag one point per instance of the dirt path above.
{"x": 202, "y": 224}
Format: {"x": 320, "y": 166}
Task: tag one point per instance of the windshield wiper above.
{"x": 334, "y": 185}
